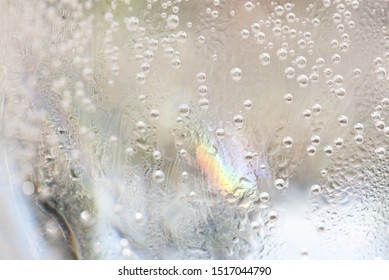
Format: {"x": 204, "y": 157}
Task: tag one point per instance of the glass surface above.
{"x": 194, "y": 129}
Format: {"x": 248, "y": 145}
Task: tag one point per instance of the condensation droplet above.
{"x": 236, "y": 74}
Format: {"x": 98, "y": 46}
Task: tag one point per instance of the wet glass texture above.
{"x": 194, "y": 129}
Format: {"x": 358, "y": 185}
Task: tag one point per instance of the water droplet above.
{"x": 238, "y": 121}
{"x": 141, "y": 126}
{"x": 264, "y": 197}
{"x": 132, "y": 23}
{"x": 249, "y": 156}
{"x": 287, "y": 142}
{"x": 290, "y": 72}
{"x": 328, "y": 150}
{"x": 272, "y": 216}
{"x": 358, "y": 139}
{"x": 380, "y": 125}
{"x": 157, "y": 155}
{"x": 247, "y": 104}
{"x": 279, "y": 184}
{"x": 380, "y": 73}
{"x": 154, "y": 114}
{"x": 343, "y": 120}
{"x": 302, "y": 81}
{"x": 204, "y": 103}
{"x": 307, "y": 113}
{"x": 158, "y": 176}
{"x": 183, "y": 110}
{"x": 315, "y": 140}
{"x": 315, "y": 189}
{"x": 380, "y": 152}
{"x": 264, "y": 59}
{"x": 311, "y": 150}
{"x": 172, "y": 21}
{"x": 220, "y": 133}
{"x": 236, "y": 74}
{"x": 288, "y": 98}
{"x": 338, "y": 142}
{"x": 28, "y": 188}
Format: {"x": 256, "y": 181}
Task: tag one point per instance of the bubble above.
{"x": 85, "y": 216}
{"x": 314, "y": 77}
{"x": 260, "y": 37}
{"x": 272, "y": 216}
{"x": 282, "y": 54}
{"x": 247, "y": 104}
{"x": 328, "y": 150}
{"x": 385, "y": 102}
{"x": 338, "y": 80}
{"x": 327, "y": 72}
{"x": 264, "y": 59}
{"x": 141, "y": 126}
{"x": 181, "y": 36}
{"x": 302, "y": 81}
{"x": 386, "y": 131}
{"x": 172, "y": 21}
{"x": 203, "y": 90}
{"x": 320, "y": 227}
{"x": 315, "y": 189}
{"x": 315, "y": 140}
{"x": 380, "y": 73}
{"x": 264, "y": 197}
{"x": 204, "y": 103}
{"x": 327, "y": 3}
{"x": 182, "y": 152}
{"x": 290, "y": 72}
{"x": 279, "y": 10}
{"x": 375, "y": 116}
{"x": 301, "y": 62}
{"x": 357, "y": 73}
{"x": 380, "y": 125}
{"x": 287, "y": 142}
{"x": 183, "y": 110}
{"x": 176, "y": 63}
{"x": 220, "y": 133}
{"x": 338, "y": 142}
{"x": 355, "y": 4}
{"x": 311, "y": 150}
{"x": 132, "y": 23}
{"x": 201, "y": 39}
{"x": 154, "y": 114}
{"x": 249, "y": 156}
{"x": 358, "y": 139}
{"x": 279, "y": 184}
{"x": 184, "y": 175}
{"x": 343, "y": 120}
{"x": 158, "y": 176}
{"x": 245, "y": 33}
{"x": 141, "y": 78}
{"x": 315, "y": 22}
{"x": 238, "y": 121}
{"x": 380, "y": 152}
{"x": 157, "y": 155}
{"x": 316, "y": 108}
{"x": 291, "y": 17}
{"x": 358, "y": 128}
{"x": 236, "y": 74}
{"x": 307, "y": 113}
{"x": 288, "y": 98}
{"x": 28, "y": 188}
{"x": 340, "y": 93}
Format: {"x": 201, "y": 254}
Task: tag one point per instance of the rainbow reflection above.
{"x": 223, "y": 169}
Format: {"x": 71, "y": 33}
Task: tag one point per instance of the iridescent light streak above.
{"x": 219, "y": 169}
